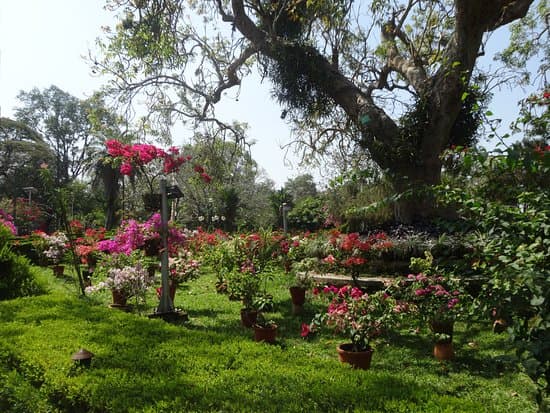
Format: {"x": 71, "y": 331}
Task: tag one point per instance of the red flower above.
{"x": 205, "y": 177}
{"x": 306, "y": 330}
{"x": 126, "y": 168}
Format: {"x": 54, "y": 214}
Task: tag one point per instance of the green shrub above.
{"x": 16, "y": 277}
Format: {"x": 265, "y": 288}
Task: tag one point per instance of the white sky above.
{"x": 42, "y": 43}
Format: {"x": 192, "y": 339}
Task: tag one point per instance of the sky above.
{"x": 42, "y": 43}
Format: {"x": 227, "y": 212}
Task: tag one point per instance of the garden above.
{"x": 252, "y": 324}
{"x": 137, "y": 275}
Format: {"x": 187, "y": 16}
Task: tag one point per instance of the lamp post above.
{"x": 30, "y": 190}
{"x": 284, "y": 209}
{"x": 166, "y": 306}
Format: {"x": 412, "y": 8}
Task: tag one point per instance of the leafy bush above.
{"x": 510, "y": 208}
{"x": 308, "y": 214}
{"x": 16, "y": 277}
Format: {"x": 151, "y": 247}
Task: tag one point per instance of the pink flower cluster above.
{"x": 140, "y": 154}
{"x": 431, "y": 289}
{"x": 7, "y": 220}
{"x": 354, "y": 313}
{"x": 132, "y": 236}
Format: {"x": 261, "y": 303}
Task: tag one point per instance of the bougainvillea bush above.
{"x": 510, "y": 209}
{"x": 354, "y": 314}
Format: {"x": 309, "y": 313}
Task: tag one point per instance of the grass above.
{"x": 212, "y": 364}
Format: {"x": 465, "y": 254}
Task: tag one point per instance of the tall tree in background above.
{"x": 335, "y": 65}
{"x": 62, "y": 120}
{"x": 238, "y": 191}
{"x": 22, "y": 151}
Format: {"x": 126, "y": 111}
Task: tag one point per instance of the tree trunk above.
{"x": 110, "y": 177}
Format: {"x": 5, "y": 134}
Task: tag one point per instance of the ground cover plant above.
{"x": 211, "y": 363}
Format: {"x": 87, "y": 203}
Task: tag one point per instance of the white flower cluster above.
{"x": 131, "y": 280}
{"x": 57, "y": 245}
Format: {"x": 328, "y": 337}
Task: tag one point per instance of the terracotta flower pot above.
{"x": 58, "y": 270}
{"x": 357, "y": 359}
{"x": 267, "y": 334}
{"x": 248, "y": 317}
{"x": 444, "y": 350}
{"x": 298, "y": 295}
{"x": 119, "y": 298}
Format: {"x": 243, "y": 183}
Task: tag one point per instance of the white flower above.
{"x": 201, "y": 218}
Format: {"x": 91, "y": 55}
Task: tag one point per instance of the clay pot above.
{"x": 119, "y": 298}
{"x": 444, "y": 350}
{"x": 267, "y": 334}
{"x": 248, "y": 317}
{"x": 357, "y": 359}
{"x": 298, "y": 295}
{"x": 58, "y": 270}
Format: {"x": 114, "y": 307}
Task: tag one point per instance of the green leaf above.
{"x": 536, "y": 301}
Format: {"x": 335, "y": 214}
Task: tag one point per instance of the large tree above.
{"x": 22, "y": 151}
{"x": 62, "y": 120}
{"x": 392, "y": 75}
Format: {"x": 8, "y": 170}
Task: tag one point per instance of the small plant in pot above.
{"x": 300, "y": 282}
{"x": 245, "y": 283}
{"x": 360, "y": 317}
{"x": 265, "y": 329}
{"x": 55, "y": 249}
{"x": 433, "y": 299}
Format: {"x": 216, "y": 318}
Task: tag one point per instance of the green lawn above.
{"x": 211, "y": 363}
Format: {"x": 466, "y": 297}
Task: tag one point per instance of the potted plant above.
{"x": 360, "y": 317}
{"x": 264, "y": 329}
{"x": 300, "y": 282}
{"x": 245, "y": 283}
{"x": 125, "y": 277}
{"x": 182, "y": 268}
{"x": 55, "y": 248}
{"x": 434, "y": 299}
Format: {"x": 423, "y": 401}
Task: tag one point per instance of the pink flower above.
{"x": 329, "y": 259}
{"x": 306, "y": 330}
{"x": 342, "y": 292}
{"x": 315, "y": 291}
{"x": 126, "y": 168}
{"x": 452, "y": 302}
{"x": 356, "y": 293}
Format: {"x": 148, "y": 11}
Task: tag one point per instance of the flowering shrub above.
{"x": 7, "y": 220}
{"x": 130, "y": 281}
{"x": 86, "y": 245}
{"x": 183, "y": 267}
{"x": 433, "y": 297}
{"x": 138, "y": 155}
{"x": 336, "y": 251}
{"x": 359, "y": 316}
{"x": 56, "y": 246}
{"x": 132, "y": 235}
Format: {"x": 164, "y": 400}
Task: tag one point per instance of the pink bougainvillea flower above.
{"x": 356, "y": 293}
{"x": 329, "y": 259}
{"x": 126, "y": 168}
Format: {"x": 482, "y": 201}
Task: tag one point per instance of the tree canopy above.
{"x": 393, "y": 77}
